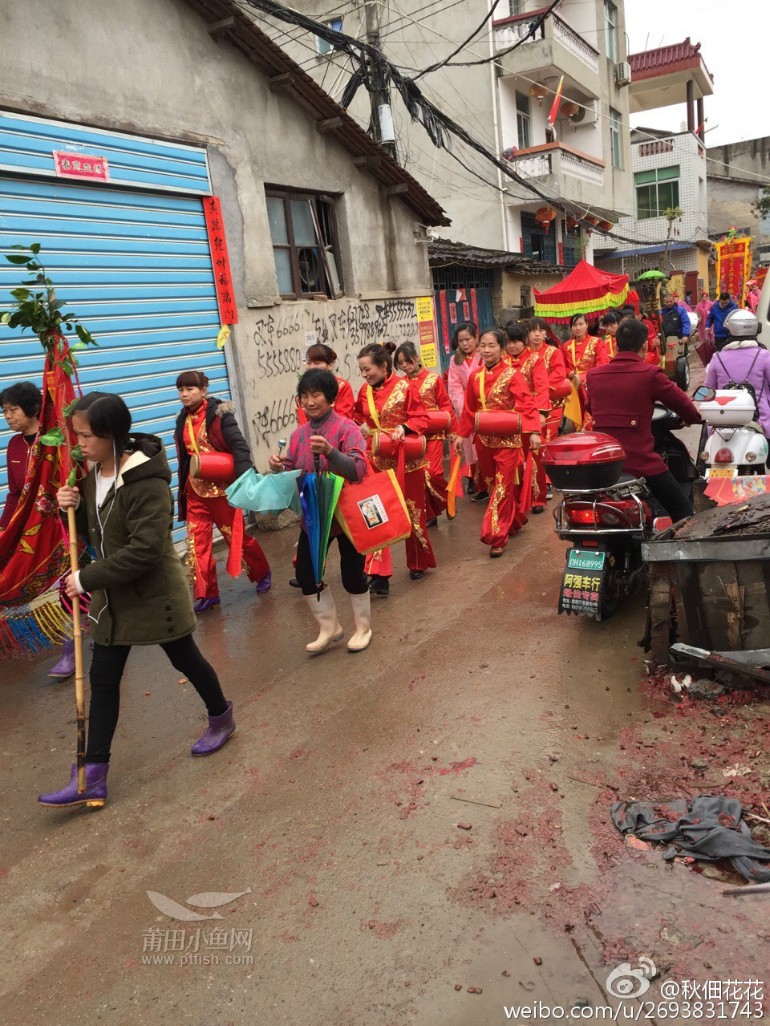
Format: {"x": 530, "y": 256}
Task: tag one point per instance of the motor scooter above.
{"x": 606, "y": 515}
{"x": 737, "y": 445}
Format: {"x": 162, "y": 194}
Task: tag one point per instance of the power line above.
{"x": 446, "y": 61}
{"x": 440, "y": 127}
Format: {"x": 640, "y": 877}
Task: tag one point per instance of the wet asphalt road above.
{"x": 335, "y": 807}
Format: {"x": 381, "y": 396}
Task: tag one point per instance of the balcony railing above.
{"x": 649, "y": 149}
{"x": 510, "y": 31}
{"x": 558, "y": 158}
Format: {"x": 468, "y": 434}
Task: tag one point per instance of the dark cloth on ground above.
{"x": 708, "y": 827}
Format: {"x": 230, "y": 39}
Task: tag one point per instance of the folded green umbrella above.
{"x": 265, "y": 493}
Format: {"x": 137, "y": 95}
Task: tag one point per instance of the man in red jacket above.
{"x": 621, "y": 398}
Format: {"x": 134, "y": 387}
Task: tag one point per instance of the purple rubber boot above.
{"x": 265, "y": 584}
{"x": 202, "y": 605}
{"x": 66, "y": 665}
{"x": 95, "y": 792}
{"x": 218, "y": 732}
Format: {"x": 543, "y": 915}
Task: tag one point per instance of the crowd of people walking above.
{"x": 506, "y": 393}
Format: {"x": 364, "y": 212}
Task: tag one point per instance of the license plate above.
{"x": 583, "y": 559}
{"x": 715, "y": 472}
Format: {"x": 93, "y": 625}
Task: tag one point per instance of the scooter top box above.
{"x": 729, "y": 408}
{"x": 588, "y": 459}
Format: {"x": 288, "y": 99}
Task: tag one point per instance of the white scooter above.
{"x": 736, "y": 445}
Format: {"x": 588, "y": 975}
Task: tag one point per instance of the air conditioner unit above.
{"x": 623, "y": 74}
{"x": 588, "y": 114}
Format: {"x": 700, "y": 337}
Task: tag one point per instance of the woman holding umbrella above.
{"x": 327, "y": 441}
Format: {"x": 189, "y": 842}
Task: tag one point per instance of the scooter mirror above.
{"x": 704, "y": 394}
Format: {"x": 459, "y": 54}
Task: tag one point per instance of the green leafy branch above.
{"x": 36, "y": 308}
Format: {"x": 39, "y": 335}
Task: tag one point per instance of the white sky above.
{"x": 733, "y": 38}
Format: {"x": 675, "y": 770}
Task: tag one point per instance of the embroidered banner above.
{"x": 734, "y": 265}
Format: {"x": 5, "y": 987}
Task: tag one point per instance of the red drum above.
{"x": 413, "y": 446}
{"x": 218, "y": 467}
{"x": 439, "y": 420}
{"x": 498, "y": 422}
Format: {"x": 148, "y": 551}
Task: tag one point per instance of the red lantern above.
{"x": 572, "y": 222}
{"x": 544, "y": 216}
{"x": 606, "y": 226}
{"x": 591, "y": 220}
{"x": 538, "y": 91}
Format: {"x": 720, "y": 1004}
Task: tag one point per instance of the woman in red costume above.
{"x": 323, "y": 357}
{"x": 389, "y": 404}
{"x": 497, "y": 386}
{"x": 551, "y": 357}
{"x": 536, "y": 377}
{"x": 466, "y": 359}
{"x": 206, "y": 424}
{"x": 582, "y": 352}
{"x": 608, "y": 325}
{"x": 431, "y": 390}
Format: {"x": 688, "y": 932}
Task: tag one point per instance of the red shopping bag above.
{"x": 373, "y": 513}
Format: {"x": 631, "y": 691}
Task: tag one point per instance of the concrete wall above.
{"x": 682, "y": 150}
{"x": 732, "y": 203}
{"x": 414, "y": 38}
{"x": 682, "y": 260}
{"x": 512, "y": 285}
{"x": 150, "y": 67}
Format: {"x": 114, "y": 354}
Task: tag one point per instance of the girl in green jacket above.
{"x": 139, "y": 594}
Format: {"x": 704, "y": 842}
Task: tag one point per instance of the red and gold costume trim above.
{"x": 196, "y": 439}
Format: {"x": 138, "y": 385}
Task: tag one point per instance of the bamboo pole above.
{"x": 77, "y": 637}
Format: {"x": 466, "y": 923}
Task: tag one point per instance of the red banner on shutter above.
{"x": 81, "y": 165}
{"x": 223, "y": 279}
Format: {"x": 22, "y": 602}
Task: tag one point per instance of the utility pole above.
{"x": 381, "y": 124}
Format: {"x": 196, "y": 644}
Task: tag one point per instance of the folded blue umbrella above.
{"x": 265, "y": 493}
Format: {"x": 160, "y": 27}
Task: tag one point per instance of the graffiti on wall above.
{"x": 272, "y": 346}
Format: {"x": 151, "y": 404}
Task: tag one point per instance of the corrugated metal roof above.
{"x": 283, "y": 73}
{"x": 445, "y": 253}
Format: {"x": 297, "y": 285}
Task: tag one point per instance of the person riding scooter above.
{"x": 743, "y": 360}
{"x": 621, "y": 398}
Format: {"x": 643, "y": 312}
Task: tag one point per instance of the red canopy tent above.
{"x": 585, "y": 290}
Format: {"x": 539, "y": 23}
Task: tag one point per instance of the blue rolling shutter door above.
{"x": 135, "y": 266}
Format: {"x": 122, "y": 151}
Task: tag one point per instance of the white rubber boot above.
{"x": 325, "y": 612}
{"x": 363, "y": 618}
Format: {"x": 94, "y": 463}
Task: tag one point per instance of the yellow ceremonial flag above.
{"x": 573, "y": 409}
